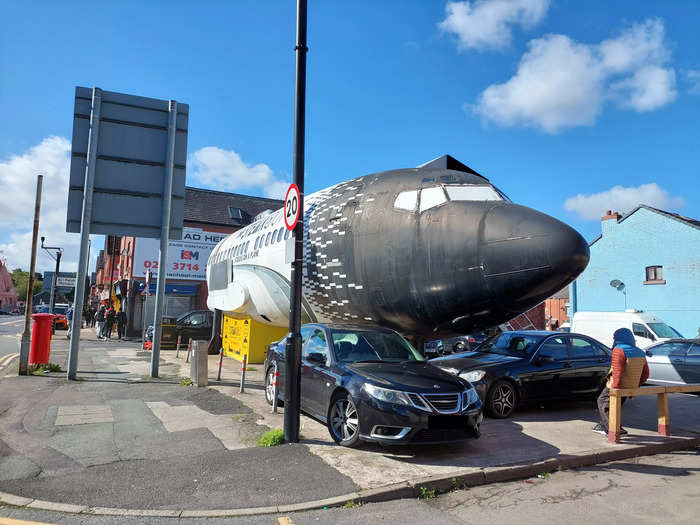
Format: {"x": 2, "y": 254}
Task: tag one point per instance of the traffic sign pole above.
{"x": 292, "y": 382}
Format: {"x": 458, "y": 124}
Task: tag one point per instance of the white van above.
{"x": 647, "y": 328}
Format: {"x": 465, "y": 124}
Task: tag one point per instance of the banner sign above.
{"x": 187, "y": 258}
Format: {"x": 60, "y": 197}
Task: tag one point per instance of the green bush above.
{"x": 272, "y": 438}
{"x": 186, "y": 381}
{"x": 44, "y": 369}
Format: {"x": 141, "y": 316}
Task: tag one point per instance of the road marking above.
{"x": 285, "y": 520}
{"x": 4, "y": 361}
{"x": 10, "y": 521}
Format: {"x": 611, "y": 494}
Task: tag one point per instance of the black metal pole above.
{"x": 52, "y": 302}
{"x": 293, "y": 352}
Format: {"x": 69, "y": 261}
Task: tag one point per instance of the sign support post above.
{"x": 79, "y": 295}
{"x": 292, "y": 385}
{"x": 164, "y": 237}
{"x": 24, "y": 345}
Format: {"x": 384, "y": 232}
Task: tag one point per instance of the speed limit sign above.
{"x": 291, "y": 207}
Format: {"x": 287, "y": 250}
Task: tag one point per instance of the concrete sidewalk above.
{"x": 120, "y": 440}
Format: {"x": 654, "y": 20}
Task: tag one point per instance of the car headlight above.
{"x": 387, "y": 395}
{"x": 473, "y": 376}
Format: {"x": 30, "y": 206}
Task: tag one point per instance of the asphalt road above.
{"x": 654, "y": 489}
{"x": 11, "y": 327}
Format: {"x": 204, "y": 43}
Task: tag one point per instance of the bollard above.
{"x": 199, "y": 363}
{"x": 275, "y": 385}
{"x": 189, "y": 351}
{"x": 221, "y": 362}
{"x": 245, "y": 358}
{"x": 177, "y": 348}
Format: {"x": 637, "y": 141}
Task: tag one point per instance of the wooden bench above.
{"x": 662, "y": 392}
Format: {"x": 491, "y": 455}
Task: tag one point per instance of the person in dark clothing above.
{"x": 628, "y": 369}
{"x": 100, "y": 317}
{"x": 121, "y": 323}
{"x": 110, "y": 317}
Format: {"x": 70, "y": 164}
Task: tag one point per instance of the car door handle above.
{"x": 677, "y": 360}
{"x": 567, "y": 365}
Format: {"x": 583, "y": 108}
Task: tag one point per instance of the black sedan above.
{"x": 527, "y": 366}
{"x": 369, "y": 384}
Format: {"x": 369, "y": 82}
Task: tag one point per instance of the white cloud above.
{"x": 622, "y": 199}
{"x": 225, "y": 170}
{"x": 561, "y": 83}
{"x": 18, "y": 176}
{"x": 485, "y": 24}
{"x": 692, "y": 76}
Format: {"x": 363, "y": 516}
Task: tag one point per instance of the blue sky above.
{"x": 569, "y": 107}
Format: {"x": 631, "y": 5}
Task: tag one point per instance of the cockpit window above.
{"x": 472, "y": 193}
{"x": 431, "y": 197}
{"x": 406, "y": 200}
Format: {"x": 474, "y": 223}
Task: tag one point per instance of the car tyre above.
{"x": 270, "y": 387}
{"x": 344, "y": 421}
{"x": 502, "y": 399}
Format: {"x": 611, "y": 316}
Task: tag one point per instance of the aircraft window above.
{"x": 245, "y": 250}
{"x": 286, "y": 234}
{"x": 431, "y": 197}
{"x": 255, "y": 246}
{"x": 267, "y": 238}
{"x": 472, "y": 193}
{"x": 406, "y": 200}
{"x": 280, "y": 233}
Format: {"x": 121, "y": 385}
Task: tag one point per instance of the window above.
{"x": 472, "y": 193}
{"x": 196, "y": 319}
{"x": 639, "y": 330}
{"x": 317, "y": 344}
{"x": 556, "y": 348}
{"x": 431, "y": 197}
{"x": 286, "y": 234}
{"x": 406, "y": 200}
{"x": 267, "y": 238}
{"x": 694, "y": 350}
{"x": 257, "y": 240}
{"x": 581, "y": 348}
{"x": 665, "y": 331}
{"x": 280, "y": 232}
{"x": 676, "y": 349}
{"x": 655, "y": 275}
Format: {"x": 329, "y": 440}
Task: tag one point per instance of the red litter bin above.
{"x": 41, "y": 339}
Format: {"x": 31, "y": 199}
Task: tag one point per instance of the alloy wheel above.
{"x": 344, "y": 421}
{"x": 503, "y": 399}
{"x": 270, "y": 386}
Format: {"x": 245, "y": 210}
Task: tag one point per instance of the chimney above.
{"x": 608, "y": 225}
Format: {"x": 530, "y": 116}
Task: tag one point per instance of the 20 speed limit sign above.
{"x": 291, "y": 207}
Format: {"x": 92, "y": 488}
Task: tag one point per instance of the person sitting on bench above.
{"x": 628, "y": 369}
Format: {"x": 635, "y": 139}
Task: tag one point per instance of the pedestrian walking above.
{"x": 628, "y": 369}
{"x": 121, "y": 323}
{"x": 100, "y": 317}
{"x": 69, "y": 318}
{"x": 110, "y": 317}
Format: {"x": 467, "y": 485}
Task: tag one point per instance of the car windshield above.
{"x": 352, "y": 346}
{"x": 60, "y": 309}
{"x": 664, "y": 331}
{"x": 510, "y": 343}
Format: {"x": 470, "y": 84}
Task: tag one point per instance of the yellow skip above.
{"x": 285, "y": 520}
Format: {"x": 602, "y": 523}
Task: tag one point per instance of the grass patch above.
{"x": 45, "y": 369}
{"x": 544, "y": 475}
{"x": 186, "y": 381}
{"x": 426, "y": 493}
{"x": 271, "y": 438}
{"x": 352, "y": 504}
{"x": 251, "y": 369}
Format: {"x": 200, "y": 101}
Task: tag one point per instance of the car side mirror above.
{"x": 317, "y": 358}
{"x": 648, "y": 352}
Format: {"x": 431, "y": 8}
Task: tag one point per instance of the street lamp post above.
{"x": 57, "y": 258}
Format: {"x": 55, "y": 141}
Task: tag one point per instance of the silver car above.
{"x": 674, "y": 362}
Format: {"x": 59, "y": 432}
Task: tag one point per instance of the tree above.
{"x": 20, "y": 278}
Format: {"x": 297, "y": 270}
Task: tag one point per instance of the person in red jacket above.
{"x": 628, "y": 369}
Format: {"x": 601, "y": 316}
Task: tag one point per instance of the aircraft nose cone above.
{"x": 527, "y": 255}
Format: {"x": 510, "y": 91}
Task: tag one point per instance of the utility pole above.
{"x": 24, "y": 345}
{"x": 292, "y": 385}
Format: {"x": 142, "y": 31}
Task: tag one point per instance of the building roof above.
{"x": 212, "y": 207}
{"x": 675, "y": 216}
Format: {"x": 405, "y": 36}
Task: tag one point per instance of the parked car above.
{"x": 674, "y": 362}
{"x": 369, "y": 384}
{"x": 647, "y": 328}
{"x": 196, "y": 324}
{"x": 451, "y": 345}
{"x": 519, "y": 366}
{"x": 60, "y": 321}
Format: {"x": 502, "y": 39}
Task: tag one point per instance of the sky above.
{"x": 569, "y": 107}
